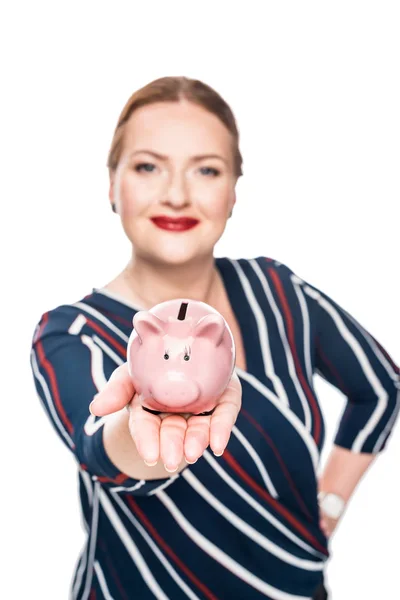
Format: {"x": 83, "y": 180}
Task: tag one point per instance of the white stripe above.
{"x": 100, "y": 317}
{"x": 77, "y": 325}
{"x": 164, "y": 485}
{"x": 102, "y": 581}
{"x": 263, "y": 333}
{"x": 99, "y": 379}
{"x": 257, "y": 460}
{"x": 131, "y": 547}
{"x": 290, "y": 416}
{"x": 132, "y": 488}
{"x": 375, "y": 348}
{"x": 391, "y": 372}
{"x": 93, "y": 540}
{"x": 88, "y": 484}
{"x": 286, "y": 346}
{"x": 92, "y": 425}
{"x": 107, "y": 350}
{"x": 223, "y": 558}
{"x": 97, "y": 365}
{"x": 306, "y": 319}
{"x": 248, "y": 530}
{"x": 257, "y": 506}
{"x": 49, "y": 401}
{"x": 369, "y": 373}
{"x": 166, "y": 564}
{"x": 80, "y": 571}
{"x": 389, "y": 425}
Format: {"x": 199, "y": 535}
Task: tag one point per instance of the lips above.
{"x": 175, "y": 224}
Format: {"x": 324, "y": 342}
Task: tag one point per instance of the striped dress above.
{"x": 244, "y": 525}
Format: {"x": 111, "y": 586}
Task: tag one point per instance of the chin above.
{"x": 174, "y": 256}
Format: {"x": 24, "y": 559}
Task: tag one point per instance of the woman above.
{"x": 166, "y": 517}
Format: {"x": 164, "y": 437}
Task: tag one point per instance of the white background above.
{"x": 315, "y": 89}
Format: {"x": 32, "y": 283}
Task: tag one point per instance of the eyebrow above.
{"x": 196, "y": 158}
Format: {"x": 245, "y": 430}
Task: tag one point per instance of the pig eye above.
{"x": 186, "y": 357}
{"x": 166, "y": 356}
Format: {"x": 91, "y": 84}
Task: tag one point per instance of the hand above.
{"x": 327, "y": 524}
{"x": 170, "y": 437}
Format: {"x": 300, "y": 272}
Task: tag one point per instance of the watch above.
{"x": 331, "y": 504}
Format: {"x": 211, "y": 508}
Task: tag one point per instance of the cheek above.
{"x": 215, "y": 201}
{"x": 135, "y": 196}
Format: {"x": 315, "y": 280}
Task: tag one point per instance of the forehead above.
{"x": 180, "y": 126}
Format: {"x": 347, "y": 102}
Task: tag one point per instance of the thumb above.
{"x": 116, "y": 394}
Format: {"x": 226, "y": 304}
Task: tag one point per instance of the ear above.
{"x": 111, "y": 188}
{"x": 147, "y": 324}
{"x": 233, "y": 202}
{"x": 211, "y": 327}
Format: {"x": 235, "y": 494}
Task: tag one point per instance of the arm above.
{"x": 350, "y": 359}
{"x": 73, "y": 367}
{"x": 343, "y": 471}
{"x": 70, "y": 367}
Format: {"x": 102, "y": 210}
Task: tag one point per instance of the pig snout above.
{"x": 175, "y": 393}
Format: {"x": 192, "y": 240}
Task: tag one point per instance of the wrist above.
{"x": 331, "y": 504}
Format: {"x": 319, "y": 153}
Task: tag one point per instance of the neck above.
{"x": 150, "y": 283}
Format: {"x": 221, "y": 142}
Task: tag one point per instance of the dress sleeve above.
{"x": 70, "y": 364}
{"x": 348, "y": 357}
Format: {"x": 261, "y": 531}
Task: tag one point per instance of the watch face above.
{"x": 332, "y": 505}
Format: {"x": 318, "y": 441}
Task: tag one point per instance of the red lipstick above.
{"x": 174, "y": 223}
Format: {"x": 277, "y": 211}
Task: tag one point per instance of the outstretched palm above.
{"x": 170, "y": 437}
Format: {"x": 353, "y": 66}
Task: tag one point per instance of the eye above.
{"x": 166, "y": 356}
{"x": 210, "y": 170}
{"x": 186, "y": 357}
{"x": 146, "y": 166}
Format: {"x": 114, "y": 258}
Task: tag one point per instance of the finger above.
{"x": 324, "y": 526}
{"x": 172, "y": 436}
{"x": 116, "y": 394}
{"x": 197, "y": 437}
{"x": 225, "y": 415}
{"x": 145, "y": 431}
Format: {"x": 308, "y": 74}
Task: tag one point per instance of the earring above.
{"x": 230, "y": 214}
{"x": 114, "y": 209}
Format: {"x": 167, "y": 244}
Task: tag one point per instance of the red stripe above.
{"x": 207, "y": 593}
{"x": 333, "y": 370}
{"x": 53, "y": 381}
{"x": 280, "y": 460}
{"x": 92, "y": 594}
{"x": 121, "y": 349}
{"x": 118, "y": 479}
{"x": 278, "y": 507}
{"x": 292, "y": 343}
{"x": 117, "y": 318}
{"x": 107, "y": 554}
{"x": 57, "y": 400}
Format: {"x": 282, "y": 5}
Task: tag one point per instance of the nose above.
{"x": 175, "y": 393}
{"x": 176, "y": 194}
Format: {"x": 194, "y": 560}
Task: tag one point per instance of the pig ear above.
{"x": 146, "y": 324}
{"x": 211, "y": 327}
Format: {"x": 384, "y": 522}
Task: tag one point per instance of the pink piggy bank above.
{"x": 181, "y": 356}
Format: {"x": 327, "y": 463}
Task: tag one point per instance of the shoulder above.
{"x": 57, "y": 320}
{"x": 268, "y": 266}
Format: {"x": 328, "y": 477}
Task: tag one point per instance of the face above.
{"x": 177, "y": 162}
